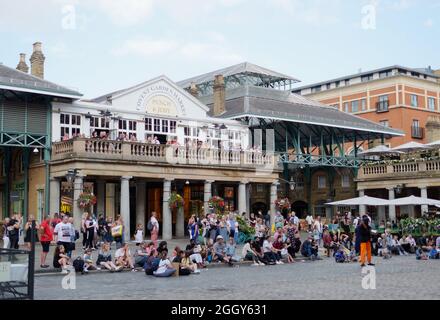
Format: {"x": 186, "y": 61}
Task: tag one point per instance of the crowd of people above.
{"x": 212, "y": 239}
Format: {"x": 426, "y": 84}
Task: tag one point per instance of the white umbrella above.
{"x": 361, "y": 201}
{"x": 410, "y": 146}
{"x": 433, "y": 144}
{"x": 379, "y": 150}
{"x": 413, "y": 201}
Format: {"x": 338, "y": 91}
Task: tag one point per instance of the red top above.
{"x": 47, "y": 234}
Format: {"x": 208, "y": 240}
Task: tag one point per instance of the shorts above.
{"x": 46, "y": 246}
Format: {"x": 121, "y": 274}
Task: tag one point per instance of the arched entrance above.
{"x": 259, "y": 206}
{"x": 300, "y": 208}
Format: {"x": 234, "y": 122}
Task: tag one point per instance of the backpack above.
{"x": 339, "y": 257}
{"x": 433, "y": 254}
{"x": 78, "y": 264}
{"x": 150, "y": 226}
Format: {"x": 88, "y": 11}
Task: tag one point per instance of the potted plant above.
{"x": 176, "y": 201}
{"x": 217, "y": 203}
{"x": 86, "y": 200}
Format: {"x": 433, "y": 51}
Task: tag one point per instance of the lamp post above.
{"x": 70, "y": 177}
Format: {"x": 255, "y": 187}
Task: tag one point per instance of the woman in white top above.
{"x": 139, "y": 235}
{"x": 165, "y": 268}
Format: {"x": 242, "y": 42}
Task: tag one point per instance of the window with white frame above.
{"x": 214, "y": 138}
{"x": 355, "y": 106}
{"x": 70, "y": 125}
{"x": 160, "y": 126}
{"x": 191, "y": 134}
{"x": 345, "y": 181}
{"x": 99, "y": 124}
{"x": 346, "y": 107}
{"x": 127, "y": 127}
{"x": 364, "y": 104}
{"x": 414, "y": 101}
{"x": 431, "y": 103}
{"x": 321, "y": 182}
{"x": 385, "y": 123}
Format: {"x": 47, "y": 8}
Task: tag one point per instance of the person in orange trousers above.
{"x": 365, "y": 240}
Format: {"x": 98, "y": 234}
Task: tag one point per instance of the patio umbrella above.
{"x": 361, "y": 201}
{"x": 379, "y": 150}
{"x": 413, "y": 201}
{"x": 411, "y": 146}
{"x": 433, "y": 144}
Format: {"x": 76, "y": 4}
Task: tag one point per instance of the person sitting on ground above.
{"x": 220, "y": 251}
{"x": 152, "y": 263}
{"x": 195, "y": 250}
{"x": 165, "y": 268}
{"x": 421, "y": 254}
{"x": 123, "y": 257}
{"x": 412, "y": 243}
{"x": 163, "y": 246}
{"x": 142, "y": 253}
{"x": 88, "y": 261}
{"x": 61, "y": 259}
{"x": 105, "y": 258}
{"x": 230, "y": 250}
{"x": 328, "y": 243}
{"x": 285, "y": 253}
{"x": 270, "y": 253}
{"x": 308, "y": 250}
{"x": 186, "y": 264}
{"x": 396, "y": 248}
{"x": 175, "y": 255}
{"x": 249, "y": 254}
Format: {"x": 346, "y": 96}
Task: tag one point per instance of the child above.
{"x": 88, "y": 261}
{"x": 139, "y": 235}
{"x": 386, "y": 254}
{"x": 61, "y": 259}
{"x": 285, "y": 254}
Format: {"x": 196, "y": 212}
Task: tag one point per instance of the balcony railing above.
{"x": 382, "y": 106}
{"x": 417, "y": 132}
{"x": 166, "y": 154}
{"x": 408, "y": 169}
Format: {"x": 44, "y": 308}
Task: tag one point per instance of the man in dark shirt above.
{"x": 365, "y": 241}
{"x": 14, "y": 231}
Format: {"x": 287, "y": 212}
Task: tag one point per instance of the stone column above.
{"x": 391, "y": 209}
{"x": 54, "y": 205}
{"x": 167, "y": 222}
{"x": 424, "y": 194}
{"x": 207, "y": 195}
{"x": 180, "y": 223}
{"x": 141, "y": 191}
{"x": 242, "y": 197}
{"x": 100, "y": 204}
{"x": 273, "y": 198}
{"x": 362, "y": 208}
{"x": 381, "y": 214}
{"x": 125, "y": 206}
{"x": 77, "y": 211}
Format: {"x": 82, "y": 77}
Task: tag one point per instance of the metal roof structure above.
{"x": 13, "y": 79}
{"x": 284, "y": 106}
{"x": 245, "y": 73}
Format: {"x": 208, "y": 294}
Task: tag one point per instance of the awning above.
{"x": 414, "y": 201}
{"x": 411, "y": 146}
{"x": 380, "y": 150}
{"x": 364, "y": 201}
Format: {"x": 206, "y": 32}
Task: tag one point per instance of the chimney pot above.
{"x": 37, "y": 61}
{"x": 22, "y": 66}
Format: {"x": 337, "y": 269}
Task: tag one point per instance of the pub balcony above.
{"x": 127, "y": 151}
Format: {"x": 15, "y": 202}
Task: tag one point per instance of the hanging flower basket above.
{"x": 86, "y": 200}
{"x": 217, "y": 203}
{"x": 176, "y": 201}
{"x": 282, "y": 204}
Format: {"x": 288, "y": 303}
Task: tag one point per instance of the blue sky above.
{"x": 97, "y": 46}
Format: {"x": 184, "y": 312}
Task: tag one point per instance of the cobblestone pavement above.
{"x": 397, "y": 278}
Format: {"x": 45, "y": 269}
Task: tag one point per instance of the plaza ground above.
{"x": 399, "y": 278}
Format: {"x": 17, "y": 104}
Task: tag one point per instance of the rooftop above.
{"x": 20, "y": 81}
{"x": 422, "y": 71}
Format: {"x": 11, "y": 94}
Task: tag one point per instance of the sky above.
{"x": 98, "y": 46}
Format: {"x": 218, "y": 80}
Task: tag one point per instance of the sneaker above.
{"x": 64, "y": 271}
{"x": 371, "y": 264}
{"x": 98, "y": 268}
{"x": 256, "y": 265}
{"x": 363, "y": 265}
{"x": 281, "y": 262}
{"x": 261, "y": 263}
{"x": 43, "y": 266}
{"x": 197, "y": 271}
{"x": 86, "y": 271}
{"x": 277, "y": 262}
{"x": 134, "y": 270}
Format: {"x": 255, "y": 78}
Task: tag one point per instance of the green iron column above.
{"x": 25, "y": 183}
{"x": 308, "y": 182}
{"x": 47, "y": 155}
{"x": 7, "y": 200}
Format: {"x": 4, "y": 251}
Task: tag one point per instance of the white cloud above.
{"x": 428, "y": 23}
{"x": 127, "y": 12}
{"x": 198, "y": 51}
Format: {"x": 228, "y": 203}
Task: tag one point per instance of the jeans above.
{"x": 141, "y": 260}
{"x": 167, "y": 273}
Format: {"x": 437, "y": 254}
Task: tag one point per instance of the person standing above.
{"x": 365, "y": 241}
{"x": 309, "y": 220}
{"x": 14, "y": 231}
{"x": 154, "y": 225}
{"x": 6, "y": 240}
{"x": 318, "y": 229}
{"x": 193, "y": 229}
{"x": 28, "y": 232}
{"x": 46, "y": 238}
{"x": 89, "y": 228}
{"x": 63, "y": 233}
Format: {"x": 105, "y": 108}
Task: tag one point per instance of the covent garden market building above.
{"x": 238, "y": 133}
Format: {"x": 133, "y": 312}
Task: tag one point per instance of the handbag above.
{"x": 117, "y": 231}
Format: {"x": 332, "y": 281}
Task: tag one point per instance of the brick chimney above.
{"x": 219, "y": 95}
{"x": 194, "y": 90}
{"x": 37, "y": 61}
{"x": 22, "y": 66}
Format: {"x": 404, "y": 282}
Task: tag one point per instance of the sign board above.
{"x": 5, "y": 271}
